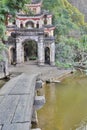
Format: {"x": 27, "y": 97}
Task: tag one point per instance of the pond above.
{"x": 66, "y": 104}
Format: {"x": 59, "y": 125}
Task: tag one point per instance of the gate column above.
{"x": 52, "y": 54}
{"x": 19, "y": 51}
{"x": 41, "y": 51}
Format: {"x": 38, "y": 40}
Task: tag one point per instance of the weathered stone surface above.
{"x": 7, "y": 108}
{"x": 18, "y": 126}
{"x": 39, "y": 102}
{"x": 10, "y": 85}
{"x": 23, "y": 112}
{"x": 34, "y": 116}
{"x": 39, "y": 84}
{"x": 0, "y": 127}
{"x": 1, "y": 98}
{"x": 4, "y": 65}
{"x": 18, "y": 86}
{"x": 16, "y": 103}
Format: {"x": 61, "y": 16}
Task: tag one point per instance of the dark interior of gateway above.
{"x": 13, "y": 55}
{"x": 30, "y": 50}
{"x": 47, "y": 55}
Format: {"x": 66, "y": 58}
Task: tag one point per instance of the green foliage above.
{"x": 83, "y": 29}
{"x": 70, "y": 50}
{"x": 63, "y": 65}
{"x": 66, "y": 16}
{"x": 11, "y": 7}
{"x": 84, "y": 39}
{"x": 2, "y": 47}
{"x": 8, "y": 7}
{"x": 33, "y": 58}
{"x": 2, "y": 31}
{"x": 76, "y": 16}
{"x": 64, "y": 53}
{"x": 27, "y": 11}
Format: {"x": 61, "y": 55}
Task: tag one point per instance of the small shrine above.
{"x": 31, "y": 35}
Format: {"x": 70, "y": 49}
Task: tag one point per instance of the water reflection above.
{"x": 66, "y": 104}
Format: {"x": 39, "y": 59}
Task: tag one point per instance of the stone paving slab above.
{"x": 7, "y": 108}
{"x": 9, "y": 86}
{"x": 23, "y": 86}
{"x": 47, "y": 72}
{"x": 1, "y": 98}
{"x": 23, "y": 112}
{"x": 0, "y": 127}
{"x": 18, "y": 86}
{"x": 16, "y": 103}
{"x": 17, "y": 126}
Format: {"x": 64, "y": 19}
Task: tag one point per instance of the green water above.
{"x": 66, "y": 104}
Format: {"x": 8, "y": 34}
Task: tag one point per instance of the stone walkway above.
{"x": 18, "y": 101}
{"x": 46, "y": 72}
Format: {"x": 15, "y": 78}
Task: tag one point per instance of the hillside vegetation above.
{"x": 70, "y": 49}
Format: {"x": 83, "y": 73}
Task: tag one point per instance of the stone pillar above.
{"x": 34, "y": 117}
{"x": 39, "y": 102}
{"x": 52, "y": 54}
{"x": 18, "y": 23}
{"x": 49, "y": 20}
{"x": 40, "y": 23}
{"x": 35, "y": 24}
{"x": 19, "y": 51}
{"x": 4, "y": 65}
{"x": 40, "y": 51}
{"x": 22, "y": 52}
{"x": 39, "y": 84}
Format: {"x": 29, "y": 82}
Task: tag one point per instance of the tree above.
{"x": 2, "y": 48}
{"x": 7, "y": 7}
{"x": 65, "y": 16}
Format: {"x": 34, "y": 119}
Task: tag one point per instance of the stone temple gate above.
{"x": 42, "y": 43}
{"x": 37, "y": 27}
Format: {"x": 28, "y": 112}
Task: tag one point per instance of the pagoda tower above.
{"x": 32, "y": 24}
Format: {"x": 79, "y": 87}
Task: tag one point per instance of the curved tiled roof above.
{"x": 48, "y": 26}
{"x": 36, "y": 1}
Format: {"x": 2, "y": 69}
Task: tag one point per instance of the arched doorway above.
{"x": 46, "y": 34}
{"x": 47, "y": 55}
{"x": 30, "y": 50}
{"x": 45, "y": 19}
{"x": 12, "y": 54}
{"x": 30, "y": 24}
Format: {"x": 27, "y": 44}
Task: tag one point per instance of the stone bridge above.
{"x": 19, "y": 102}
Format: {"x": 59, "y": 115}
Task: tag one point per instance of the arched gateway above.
{"x": 30, "y": 50}
{"x": 37, "y": 27}
{"x": 37, "y": 35}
